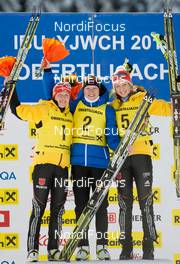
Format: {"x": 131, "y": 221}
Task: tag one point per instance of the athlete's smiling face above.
{"x": 123, "y": 89}
{"x": 63, "y": 99}
{"x": 91, "y": 92}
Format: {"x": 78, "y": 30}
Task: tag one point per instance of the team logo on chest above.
{"x": 42, "y": 181}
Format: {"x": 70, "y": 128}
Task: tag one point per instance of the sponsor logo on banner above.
{"x": 138, "y": 218}
{"x": 68, "y": 218}
{"x": 32, "y": 130}
{"x": 8, "y": 152}
{"x": 176, "y": 259}
{"x": 176, "y": 217}
{"x": 113, "y": 239}
{"x": 111, "y": 218}
{"x": 9, "y": 196}
{"x": 4, "y": 218}
{"x": 9, "y": 241}
{"x": 156, "y": 152}
{"x": 113, "y": 195}
{"x": 43, "y": 241}
{"x": 4, "y": 175}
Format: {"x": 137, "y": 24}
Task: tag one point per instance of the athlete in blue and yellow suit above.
{"x": 138, "y": 165}
{"x": 94, "y": 130}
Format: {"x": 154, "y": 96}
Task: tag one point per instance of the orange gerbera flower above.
{"x": 54, "y": 50}
{"x": 6, "y": 65}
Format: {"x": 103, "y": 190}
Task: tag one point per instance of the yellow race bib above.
{"x": 89, "y": 125}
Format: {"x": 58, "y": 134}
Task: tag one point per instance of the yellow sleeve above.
{"x": 160, "y": 108}
{"x": 32, "y": 113}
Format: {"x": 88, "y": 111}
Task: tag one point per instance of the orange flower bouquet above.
{"x": 6, "y": 65}
{"x": 53, "y": 50}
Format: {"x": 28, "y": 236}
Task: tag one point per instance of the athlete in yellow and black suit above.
{"x": 51, "y": 161}
{"x": 137, "y": 167}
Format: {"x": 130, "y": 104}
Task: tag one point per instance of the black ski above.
{"x": 7, "y": 91}
{"x": 135, "y": 128}
{"x": 167, "y": 46}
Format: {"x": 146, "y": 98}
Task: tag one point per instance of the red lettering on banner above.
{"x": 43, "y": 241}
{"x": 137, "y": 256}
{"x": 112, "y": 218}
{"x": 62, "y": 242}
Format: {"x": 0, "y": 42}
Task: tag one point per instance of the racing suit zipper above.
{"x": 105, "y": 153}
{"x": 85, "y": 155}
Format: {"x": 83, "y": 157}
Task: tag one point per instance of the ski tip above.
{"x": 168, "y": 7}
{"x": 39, "y": 9}
{"x": 36, "y": 12}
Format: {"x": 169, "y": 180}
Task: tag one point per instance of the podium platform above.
{"x": 156, "y": 261}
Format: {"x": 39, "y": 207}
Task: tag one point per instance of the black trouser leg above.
{"x": 102, "y": 213}
{"x": 41, "y": 185}
{"x": 143, "y": 178}
{"x": 81, "y": 195}
{"x": 87, "y": 176}
{"x": 58, "y": 198}
{"x": 125, "y": 199}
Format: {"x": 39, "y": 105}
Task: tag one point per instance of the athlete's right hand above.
{"x": 45, "y": 64}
